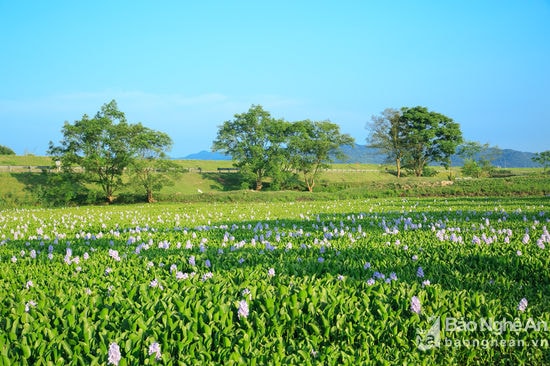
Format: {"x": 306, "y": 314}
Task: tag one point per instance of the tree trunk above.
{"x": 259, "y": 184}
{"x": 310, "y": 183}
{"x": 150, "y": 198}
{"x": 110, "y": 199}
{"x": 418, "y": 170}
{"x": 398, "y": 166}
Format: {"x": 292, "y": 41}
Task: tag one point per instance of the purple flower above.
{"x": 30, "y": 304}
{"x": 341, "y": 278}
{"x": 182, "y": 276}
{"x": 243, "y": 309}
{"x": 114, "y": 254}
{"x": 525, "y": 239}
{"x": 271, "y": 272}
{"x": 155, "y": 283}
{"x": 192, "y": 260}
{"x": 366, "y": 266}
{"x": 320, "y": 259}
{"x": 154, "y": 348}
{"x": 207, "y": 263}
{"x": 114, "y": 354}
{"x": 371, "y": 281}
{"x": 415, "y": 305}
{"x": 420, "y": 272}
{"x": 522, "y": 305}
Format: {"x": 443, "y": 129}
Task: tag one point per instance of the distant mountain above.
{"x": 506, "y": 158}
{"x": 206, "y": 155}
{"x": 367, "y": 155}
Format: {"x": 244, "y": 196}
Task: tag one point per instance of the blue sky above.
{"x": 185, "y": 67}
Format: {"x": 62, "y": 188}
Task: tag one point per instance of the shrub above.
{"x": 471, "y": 168}
{"x": 4, "y": 150}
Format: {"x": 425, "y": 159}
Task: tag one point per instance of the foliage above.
{"x": 310, "y": 146}
{"x": 150, "y": 168}
{"x": 414, "y": 137}
{"x": 254, "y": 140}
{"x": 543, "y": 158}
{"x": 4, "y": 150}
{"x": 264, "y": 147}
{"x": 471, "y": 168}
{"x": 284, "y": 283}
{"x": 105, "y": 145}
{"x": 63, "y": 189}
{"x": 430, "y": 137}
{"x": 478, "y": 158}
{"x": 387, "y": 133}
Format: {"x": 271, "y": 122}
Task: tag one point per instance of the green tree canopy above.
{"x": 103, "y": 146}
{"x": 255, "y": 142}
{"x": 387, "y": 133}
{"x": 542, "y": 158}
{"x": 414, "y": 137}
{"x": 151, "y": 168}
{"x": 4, "y": 150}
{"x": 311, "y": 146}
{"x": 478, "y": 158}
{"x": 430, "y": 137}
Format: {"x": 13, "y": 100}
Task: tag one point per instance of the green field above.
{"x": 202, "y": 182}
{"x": 350, "y": 282}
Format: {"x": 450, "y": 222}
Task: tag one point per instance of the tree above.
{"x": 478, "y": 158}
{"x": 102, "y": 146}
{"x": 151, "y": 168}
{"x": 255, "y": 142}
{"x": 430, "y": 137}
{"x": 542, "y": 158}
{"x": 311, "y": 145}
{"x": 4, "y": 150}
{"x": 387, "y": 134}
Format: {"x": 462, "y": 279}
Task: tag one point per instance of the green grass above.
{"x": 346, "y": 182}
{"x": 25, "y": 160}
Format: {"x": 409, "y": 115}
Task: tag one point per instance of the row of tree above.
{"x": 414, "y": 137}
{"x": 108, "y": 151}
{"x": 266, "y": 147}
{"x": 105, "y": 147}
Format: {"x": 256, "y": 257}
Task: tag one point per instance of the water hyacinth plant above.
{"x": 336, "y": 282}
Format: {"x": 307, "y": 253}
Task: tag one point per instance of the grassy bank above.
{"x": 202, "y": 182}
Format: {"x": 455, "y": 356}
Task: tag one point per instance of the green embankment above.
{"x": 202, "y": 181}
